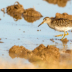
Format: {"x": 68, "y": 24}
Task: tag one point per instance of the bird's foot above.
{"x": 65, "y": 35}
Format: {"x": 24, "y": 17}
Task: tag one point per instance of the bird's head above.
{"x": 46, "y": 20}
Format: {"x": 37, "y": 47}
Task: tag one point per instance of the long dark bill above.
{"x": 41, "y": 24}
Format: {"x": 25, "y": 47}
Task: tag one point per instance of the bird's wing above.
{"x": 61, "y": 22}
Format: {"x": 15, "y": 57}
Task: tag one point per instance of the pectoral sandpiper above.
{"x": 62, "y": 25}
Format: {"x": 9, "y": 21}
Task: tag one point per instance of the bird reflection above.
{"x": 64, "y": 42}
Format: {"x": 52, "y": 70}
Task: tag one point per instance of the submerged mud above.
{"x": 65, "y": 40}
{"x": 1, "y": 42}
{"x": 52, "y": 40}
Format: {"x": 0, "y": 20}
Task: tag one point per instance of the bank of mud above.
{"x": 44, "y": 57}
{"x": 17, "y": 11}
{"x": 40, "y": 53}
{"x": 60, "y": 3}
{"x": 63, "y": 15}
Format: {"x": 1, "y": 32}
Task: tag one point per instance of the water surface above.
{"x": 24, "y": 33}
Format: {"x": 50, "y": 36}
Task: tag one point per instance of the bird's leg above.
{"x": 58, "y": 35}
{"x": 65, "y": 35}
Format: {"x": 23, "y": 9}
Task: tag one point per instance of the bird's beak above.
{"x": 41, "y": 23}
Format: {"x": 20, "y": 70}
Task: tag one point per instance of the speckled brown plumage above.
{"x": 61, "y": 22}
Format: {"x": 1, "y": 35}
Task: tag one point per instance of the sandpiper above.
{"x": 62, "y": 25}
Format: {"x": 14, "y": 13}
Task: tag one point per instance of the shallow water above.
{"x": 12, "y": 32}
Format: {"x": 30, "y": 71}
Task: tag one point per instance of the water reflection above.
{"x": 10, "y": 29}
{"x": 17, "y": 12}
{"x": 64, "y": 42}
{"x": 41, "y": 53}
{"x": 31, "y": 15}
{"x": 31, "y": 19}
{"x": 21, "y": 52}
{"x": 60, "y": 3}
{"x": 16, "y": 16}
{"x": 20, "y": 55}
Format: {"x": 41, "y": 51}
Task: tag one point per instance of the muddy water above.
{"x": 28, "y": 34}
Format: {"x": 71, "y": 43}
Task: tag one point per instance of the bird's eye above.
{"x": 45, "y": 19}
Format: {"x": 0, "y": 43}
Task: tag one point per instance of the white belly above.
{"x": 63, "y": 28}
